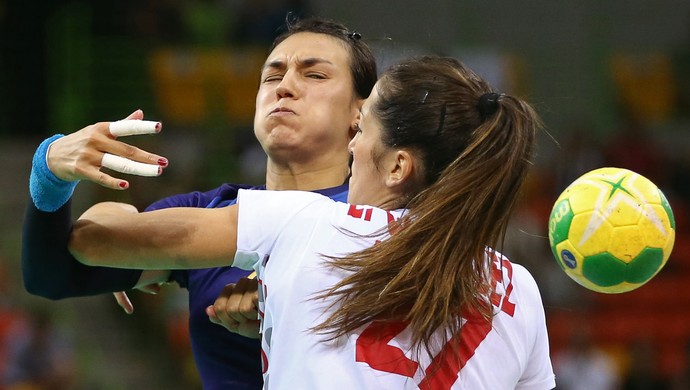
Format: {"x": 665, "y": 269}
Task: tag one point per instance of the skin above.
{"x": 115, "y": 234}
{"x": 304, "y": 99}
{"x": 235, "y": 308}
{"x": 376, "y": 181}
{"x": 306, "y": 111}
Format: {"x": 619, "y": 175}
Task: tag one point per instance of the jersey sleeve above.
{"x": 262, "y": 215}
{"x": 538, "y": 373}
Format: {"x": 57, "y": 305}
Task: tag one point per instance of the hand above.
{"x": 150, "y": 282}
{"x": 126, "y": 304}
{"x": 236, "y": 308}
{"x": 79, "y": 155}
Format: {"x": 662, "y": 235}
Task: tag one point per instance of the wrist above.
{"x": 48, "y": 192}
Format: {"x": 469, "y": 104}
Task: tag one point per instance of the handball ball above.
{"x": 611, "y": 230}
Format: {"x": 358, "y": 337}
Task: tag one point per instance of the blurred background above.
{"x": 611, "y": 80}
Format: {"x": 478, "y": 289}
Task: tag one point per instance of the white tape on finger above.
{"x": 133, "y": 127}
{"x": 123, "y": 165}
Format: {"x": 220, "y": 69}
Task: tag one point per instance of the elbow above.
{"x": 47, "y": 289}
{"x": 53, "y": 295}
{"x": 83, "y": 244}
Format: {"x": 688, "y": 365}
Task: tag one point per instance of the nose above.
{"x": 286, "y": 88}
{"x": 351, "y": 144}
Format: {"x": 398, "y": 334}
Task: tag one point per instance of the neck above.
{"x": 304, "y": 177}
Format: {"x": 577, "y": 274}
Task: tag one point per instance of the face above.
{"x": 306, "y": 104}
{"x": 367, "y": 180}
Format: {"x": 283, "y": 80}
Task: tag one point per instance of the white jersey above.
{"x": 283, "y": 235}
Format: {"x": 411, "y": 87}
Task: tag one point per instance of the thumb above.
{"x": 211, "y": 313}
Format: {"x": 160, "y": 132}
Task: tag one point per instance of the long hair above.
{"x": 474, "y": 158}
{"x": 362, "y": 60}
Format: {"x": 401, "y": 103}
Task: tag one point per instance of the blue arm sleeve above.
{"x": 50, "y": 271}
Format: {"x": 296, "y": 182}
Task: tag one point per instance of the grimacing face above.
{"x": 306, "y": 104}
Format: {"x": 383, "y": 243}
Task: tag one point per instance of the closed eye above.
{"x": 274, "y": 77}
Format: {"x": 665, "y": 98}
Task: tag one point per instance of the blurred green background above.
{"x": 611, "y": 80}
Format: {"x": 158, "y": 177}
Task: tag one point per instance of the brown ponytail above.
{"x": 474, "y": 163}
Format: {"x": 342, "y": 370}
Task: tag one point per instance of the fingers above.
{"x": 120, "y": 164}
{"x": 123, "y": 165}
{"x": 137, "y": 114}
{"x": 153, "y": 288}
{"x": 127, "y": 127}
{"x": 124, "y": 302}
{"x": 81, "y": 155}
{"x": 249, "y": 300}
{"x": 135, "y": 161}
{"x": 236, "y": 304}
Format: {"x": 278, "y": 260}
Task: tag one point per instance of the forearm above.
{"x": 115, "y": 235}
{"x": 50, "y": 271}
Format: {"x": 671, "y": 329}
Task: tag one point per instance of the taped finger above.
{"x": 123, "y": 165}
{"x": 134, "y": 127}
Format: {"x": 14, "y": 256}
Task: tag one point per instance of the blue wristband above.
{"x": 48, "y": 192}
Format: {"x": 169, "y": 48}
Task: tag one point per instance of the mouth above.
{"x": 281, "y": 111}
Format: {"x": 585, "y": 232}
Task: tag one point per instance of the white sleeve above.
{"x": 538, "y": 374}
{"x": 262, "y": 216}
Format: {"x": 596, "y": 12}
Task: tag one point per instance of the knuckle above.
{"x": 102, "y": 179}
{"x": 129, "y": 151}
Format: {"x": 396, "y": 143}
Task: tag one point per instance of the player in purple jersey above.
{"x": 306, "y": 113}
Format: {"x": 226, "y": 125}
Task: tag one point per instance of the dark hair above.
{"x": 473, "y": 161}
{"x": 362, "y": 61}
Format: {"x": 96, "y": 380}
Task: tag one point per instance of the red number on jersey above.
{"x": 372, "y": 345}
{"x": 356, "y": 212}
{"x": 372, "y": 348}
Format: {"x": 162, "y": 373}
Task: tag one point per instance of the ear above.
{"x": 400, "y": 169}
{"x": 356, "y": 117}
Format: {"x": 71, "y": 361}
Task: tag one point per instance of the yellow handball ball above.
{"x": 611, "y": 230}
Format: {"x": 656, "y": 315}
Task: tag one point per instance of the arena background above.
{"x": 610, "y": 79}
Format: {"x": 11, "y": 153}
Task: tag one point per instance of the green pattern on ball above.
{"x": 559, "y": 226}
{"x": 669, "y": 212}
{"x": 604, "y": 270}
{"x": 645, "y": 265}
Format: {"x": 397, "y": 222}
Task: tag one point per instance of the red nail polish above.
{"x": 160, "y": 170}
{"x": 163, "y": 162}
{"x": 123, "y": 184}
{"x": 158, "y": 127}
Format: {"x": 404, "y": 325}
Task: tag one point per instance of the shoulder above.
{"x": 224, "y": 192}
{"x": 293, "y": 200}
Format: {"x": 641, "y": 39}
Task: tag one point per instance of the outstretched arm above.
{"x": 60, "y": 162}
{"x": 117, "y": 235}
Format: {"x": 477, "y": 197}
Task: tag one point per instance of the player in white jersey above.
{"x": 405, "y": 293}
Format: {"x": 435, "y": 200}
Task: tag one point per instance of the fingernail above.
{"x": 163, "y": 162}
{"x": 160, "y": 170}
{"x": 123, "y": 184}
{"x": 158, "y": 127}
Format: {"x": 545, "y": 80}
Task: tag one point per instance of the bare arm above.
{"x": 117, "y": 235}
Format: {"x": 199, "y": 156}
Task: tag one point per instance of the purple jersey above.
{"x": 225, "y": 360}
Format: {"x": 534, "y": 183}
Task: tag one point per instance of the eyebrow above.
{"x": 305, "y": 63}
